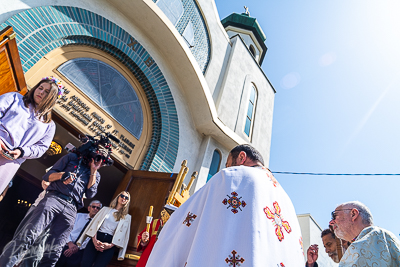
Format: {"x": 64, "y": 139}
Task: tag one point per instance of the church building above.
{"x": 169, "y": 78}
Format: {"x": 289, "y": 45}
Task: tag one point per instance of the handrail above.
{"x": 8, "y": 38}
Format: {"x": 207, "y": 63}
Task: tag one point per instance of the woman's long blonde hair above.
{"x": 120, "y": 214}
{"x": 43, "y": 110}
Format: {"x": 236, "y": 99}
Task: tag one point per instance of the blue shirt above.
{"x": 19, "y": 127}
{"x": 76, "y": 189}
{"x": 80, "y": 222}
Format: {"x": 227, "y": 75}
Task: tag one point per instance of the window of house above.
{"x": 215, "y": 164}
{"x": 250, "y": 111}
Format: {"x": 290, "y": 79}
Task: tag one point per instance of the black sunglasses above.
{"x": 124, "y": 197}
{"x": 334, "y": 213}
{"x": 96, "y": 207}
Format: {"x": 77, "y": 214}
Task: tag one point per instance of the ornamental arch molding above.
{"x": 43, "y": 29}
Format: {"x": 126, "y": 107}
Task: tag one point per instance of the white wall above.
{"x": 204, "y": 161}
{"x": 248, "y": 38}
{"x": 232, "y": 102}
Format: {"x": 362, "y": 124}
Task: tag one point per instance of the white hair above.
{"x": 96, "y": 201}
{"x": 364, "y": 211}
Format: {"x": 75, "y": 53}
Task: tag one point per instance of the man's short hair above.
{"x": 97, "y": 202}
{"x": 327, "y": 232}
{"x": 364, "y": 211}
{"x": 250, "y": 151}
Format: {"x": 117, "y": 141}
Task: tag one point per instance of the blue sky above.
{"x": 336, "y": 68}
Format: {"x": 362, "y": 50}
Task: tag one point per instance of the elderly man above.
{"x": 241, "y": 217}
{"x": 370, "y": 245}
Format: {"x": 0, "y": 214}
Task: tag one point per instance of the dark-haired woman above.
{"x": 26, "y": 128}
{"x": 110, "y": 228}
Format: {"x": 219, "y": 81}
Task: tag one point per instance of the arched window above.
{"x": 109, "y": 89}
{"x": 215, "y": 164}
{"x": 250, "y": 111}
{"x": 252, "y": 50}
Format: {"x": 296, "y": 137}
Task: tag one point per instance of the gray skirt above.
{"x": 8, "y": 168}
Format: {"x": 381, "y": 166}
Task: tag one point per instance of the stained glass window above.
{"x": 109, "y": 89}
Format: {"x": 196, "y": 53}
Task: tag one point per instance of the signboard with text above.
{"x": 74, "y": 107}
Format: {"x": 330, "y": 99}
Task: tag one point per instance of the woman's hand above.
{"x": 108, "y": 245}
{"x": 97, "y": 244}
{"x": 15, "y": 153}
{"x": 3, "y": 146}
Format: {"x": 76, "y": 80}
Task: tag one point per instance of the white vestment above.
{"x": 241, "y": 217}
{"x": 374, "y": 246}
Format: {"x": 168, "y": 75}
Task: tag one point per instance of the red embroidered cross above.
{"x": 234, "y": 260}
{"x": 235, "y": 202}
{"x": 278, "y": 221}
{"x": 189, "y": 219}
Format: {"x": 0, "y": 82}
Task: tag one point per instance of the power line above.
{"x": 359, "y": 174}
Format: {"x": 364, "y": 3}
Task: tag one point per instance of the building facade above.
{"x": 166, "y": 77}
{"x": 178, "y": 85}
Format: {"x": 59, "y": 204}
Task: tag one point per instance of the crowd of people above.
{"x": 52, "y": 227}
{"x": 363, "y": 243}
{"x": 242, "y": 215}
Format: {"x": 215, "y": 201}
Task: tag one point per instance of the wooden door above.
{"x": 11, "y": 74}
{"x": 146, "y": 189}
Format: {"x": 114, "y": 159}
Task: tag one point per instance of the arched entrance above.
{"x": 102, "y": 96}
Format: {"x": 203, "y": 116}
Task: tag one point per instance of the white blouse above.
{"x": 109, "y": 224}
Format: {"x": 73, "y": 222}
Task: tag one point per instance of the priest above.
{"x": 241, "y": 217}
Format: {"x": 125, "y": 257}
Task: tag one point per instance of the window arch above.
{"x": 250, "y": 111}
{"x": 108, "y": 88}
{"x": 215, "y": 164}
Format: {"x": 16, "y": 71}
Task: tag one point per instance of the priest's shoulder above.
{"x": 244, "y": 170}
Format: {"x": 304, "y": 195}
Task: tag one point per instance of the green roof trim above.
{"x": 246, "y": 22}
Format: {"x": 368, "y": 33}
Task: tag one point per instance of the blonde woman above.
{"x": 110, "y": 228}
{"x": 26, "y": 127}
